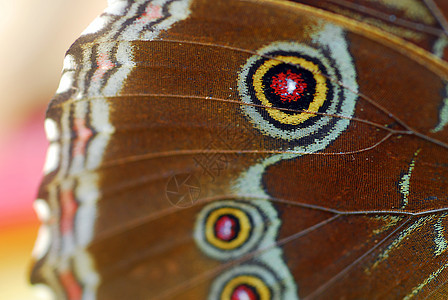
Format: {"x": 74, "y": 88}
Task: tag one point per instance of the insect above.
{"x": 249, "y": 150}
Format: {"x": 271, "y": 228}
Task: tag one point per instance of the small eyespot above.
{"x": 246, "y": 287}
{"x": 251, "y": 281}
{"x": 229, "y": 229}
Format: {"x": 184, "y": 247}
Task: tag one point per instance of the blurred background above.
{"x": 34, "y": 36}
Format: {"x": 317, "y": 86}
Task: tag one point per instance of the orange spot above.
{"x": 104, "y": 64}
{"x": 152, "y": 13}
{"x": 83, "y": 134}
{"x": 71, "y": 286}
{"x": 68, "y": 210}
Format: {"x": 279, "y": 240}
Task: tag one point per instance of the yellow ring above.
{"x": 261, "y": 288}
{"x": 319, "y": 96}
{"x": 243, "y": 235}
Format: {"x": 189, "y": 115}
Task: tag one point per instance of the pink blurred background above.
{"x": 34, "y": 36}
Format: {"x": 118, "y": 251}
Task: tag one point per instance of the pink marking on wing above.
{"x": 71, "y": 286}
{"x": 152, "y": 13}
{"x": 68, "y": 211}
{"x": 83, "y": 135}
{"x": 104, "y": 64}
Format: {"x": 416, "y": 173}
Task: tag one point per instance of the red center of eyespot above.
{"x": 288, "y": 86}
{"x": 244, "y": 292}
{"x": 226, "y": 228}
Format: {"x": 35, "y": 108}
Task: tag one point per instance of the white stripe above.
{"x": 85, "y": 269}
{"x": 179, "y": 10}
{"x": 43, "y": 292}
{"x": 443, "y": 114}
{"x": 65, "y": 140}
{"x": 68, "y": 75}
{"x": 125, "y": 57}
{"x": 77, "y": 163}
{"x": 97, "y": 25}
{"x": 104, "y": 49}
{"x": 66, "y": 82}
{"x": 86, "y": 67}
{"x": 72, "y": 245}
{"x": 87, "y": 195}
{"x": 100, "y": 122}
{"x": 43, "y": 240}
{"x": 52, "y": 159}
{"x": 116, "y": 7}
{"x": 69, "y": 63}
{"x": 42, "y": 210}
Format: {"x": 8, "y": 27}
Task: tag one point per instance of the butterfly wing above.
{"x": 231, "y": 149}
{"x": 421, "y": 22}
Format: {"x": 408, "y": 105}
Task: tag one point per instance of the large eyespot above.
{"x": 304, "y": 94}
{"x": 292, "y": 83}
{"x": 229, "y": 229}
{"x": 251, "y": 281}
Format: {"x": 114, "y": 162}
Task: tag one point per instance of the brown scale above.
{"x": 413, "y": 21}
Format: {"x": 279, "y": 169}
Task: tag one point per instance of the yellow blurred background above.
{"x": 34, "y": 35}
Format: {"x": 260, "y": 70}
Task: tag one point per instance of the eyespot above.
{"x": 246, "y": 287}
{"x": 311, "y": 89}
{"x": 290, "y": 82}
{"x": 234, "y": 229}
{"x": 229, "y": 229}
{"x": 248, "y": 281}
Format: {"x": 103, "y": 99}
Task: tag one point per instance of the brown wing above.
{"x": 422, "y": 22}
